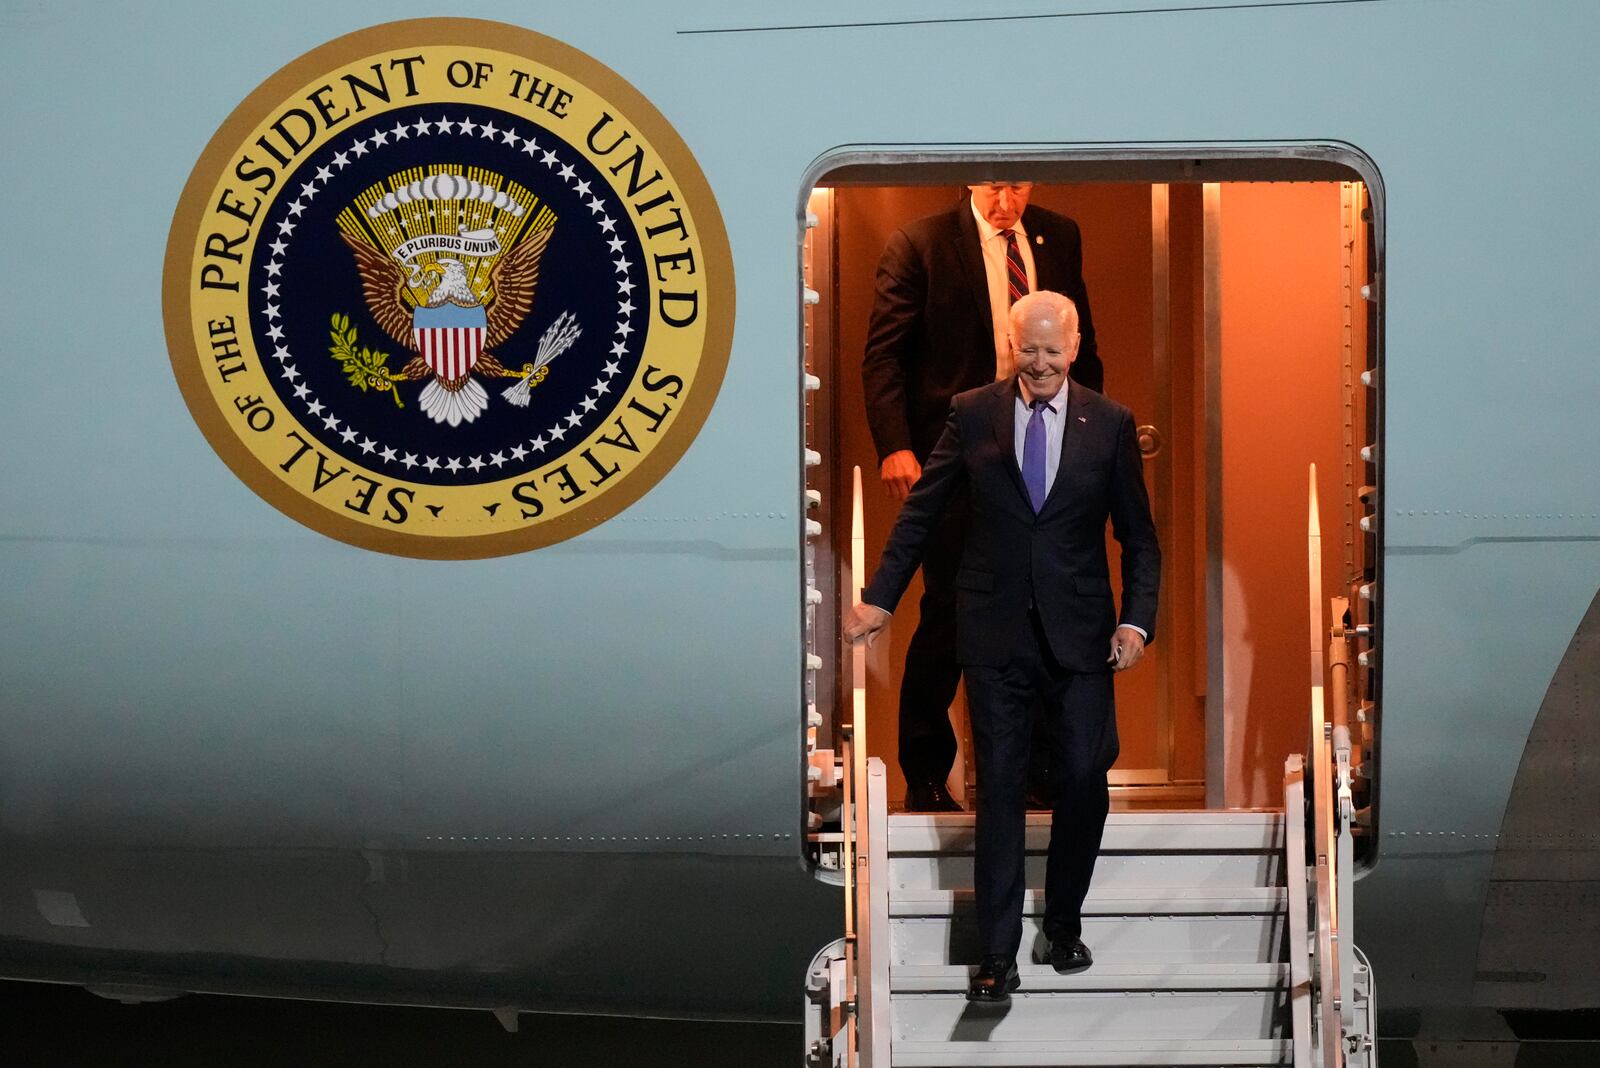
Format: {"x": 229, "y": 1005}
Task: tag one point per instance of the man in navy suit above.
{"x": 1045, "y": 466}
{"x": 945, "y": 284}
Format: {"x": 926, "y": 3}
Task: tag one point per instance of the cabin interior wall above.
{"x": 1285, "y": 323}
{"x": 1283, "y": 368}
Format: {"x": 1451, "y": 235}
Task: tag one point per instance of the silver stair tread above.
{"x": 1118, "y": 975}
{"x": 1152, "y": 939}
{"x": 1125, "y": 832}
{"x": 1117, "y": 901}
{"x": 1108, "y": 1015}
{"x": 941, "y": 871}
{"x": 1152, "y": 1052}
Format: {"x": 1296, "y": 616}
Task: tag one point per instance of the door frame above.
{"x": 1209, "y": 163}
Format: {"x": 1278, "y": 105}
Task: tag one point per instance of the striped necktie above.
{"x": 1016, "y": 270}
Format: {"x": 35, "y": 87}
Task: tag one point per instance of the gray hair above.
{"x": 1047, "y": 302}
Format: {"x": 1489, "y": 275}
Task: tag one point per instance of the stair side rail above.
{"x": 865, "y": 822}
{"x": 874, "y": 1028}
{"x": 1297, "y": 879}
{"x": 1344, "y": 806}
{"x": 852, "y": 819}
{"x": 1328, "y": 1029}
{"x": 1354, "y": 986}
{"x": 847, "y": 864}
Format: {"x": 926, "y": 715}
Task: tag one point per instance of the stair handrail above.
{"x": 873, "y": 1028}
{"x": 1294, "y": 849}
{"x": 1332, "y": 997}
{"x": 855, "y": 819}
{"x": 847, "y": 866}
{"x": 1344, "y": 805}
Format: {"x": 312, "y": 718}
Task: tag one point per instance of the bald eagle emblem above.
{"x": 449, "y": 267}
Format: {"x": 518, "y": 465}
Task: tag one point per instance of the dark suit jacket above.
{"x": 931, "y": 334}
{"x": 1014, "y": 558}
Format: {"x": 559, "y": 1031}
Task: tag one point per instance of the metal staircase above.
{"x": 1220, "y": 937}
{"x": 1186, "y": 919}
{"x": 1192, "y": 918}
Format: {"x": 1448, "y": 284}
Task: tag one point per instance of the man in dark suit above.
{"x": 939, "y": 319}
{"x": 1045, "y": 465}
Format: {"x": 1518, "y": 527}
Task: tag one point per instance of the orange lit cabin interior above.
{"x": 1231, "y": 318}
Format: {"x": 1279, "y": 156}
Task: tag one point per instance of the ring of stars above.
{"x": 373, "y": 450}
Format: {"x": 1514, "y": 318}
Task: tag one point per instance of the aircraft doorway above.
{"x": 1230, "y": 318}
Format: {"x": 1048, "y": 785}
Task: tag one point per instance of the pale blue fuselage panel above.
{"x": 183, "y": 668}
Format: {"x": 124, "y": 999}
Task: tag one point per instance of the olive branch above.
{"x": 366, "y": 368}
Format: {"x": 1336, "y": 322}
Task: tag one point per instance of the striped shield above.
{"x": 449, "y": 337}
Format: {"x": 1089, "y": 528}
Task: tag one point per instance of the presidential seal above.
{"x": 447, "y": 288}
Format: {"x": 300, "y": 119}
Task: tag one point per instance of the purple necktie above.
{"x": 1033, "y": 457}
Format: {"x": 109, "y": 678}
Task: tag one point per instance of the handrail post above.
{"x": 847, "y": 865}
{"x": 873, "y": 946}
{"x": 858, "y": 660}
{"x": 1344, "y": 869}
{"x": 1294, "y": 846}
{"x": 1330, "y": 992}
{"x": 1344, "y": 807}
{"x": 857, "y": 821}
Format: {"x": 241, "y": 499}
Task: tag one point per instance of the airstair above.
{"x": 1220, "y": 937}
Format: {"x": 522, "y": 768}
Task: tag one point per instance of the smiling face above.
{"x": 1001, "y": 203}
{"x": 1044, "y": 342}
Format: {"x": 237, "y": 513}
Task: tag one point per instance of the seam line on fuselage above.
{"x": 1495, "y": 539}
{"x": 965, "y": 19}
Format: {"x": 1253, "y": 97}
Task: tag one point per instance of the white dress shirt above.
{"x": 994, "y": 268}
{"x": 1055, "y": 425}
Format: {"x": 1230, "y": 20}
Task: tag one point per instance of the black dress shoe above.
{"x": 930, "y": 797}
{"x": 1069, "y": 955}
{"x": 996, "y": 978}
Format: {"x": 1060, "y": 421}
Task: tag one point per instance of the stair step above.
{"x": 1153, "y": 1053}
{"x": 1039, "y": 978}
{"x": 953, "y": 871}
{"x": 1120, "y": 901}
{"x": 1153, "y": 939}
{"x": 1126, "y": 832}
{"x": 1186, "y": 920}
{"x": 1039, "y": 1016}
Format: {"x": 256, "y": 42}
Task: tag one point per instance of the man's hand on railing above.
{"x": 865, "y": 621}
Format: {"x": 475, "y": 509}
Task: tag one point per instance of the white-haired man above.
{"x": 1045, "y": 466}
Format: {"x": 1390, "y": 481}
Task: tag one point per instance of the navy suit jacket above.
{"x": 1014, "y": 559}
{"x": 931, "y": 335}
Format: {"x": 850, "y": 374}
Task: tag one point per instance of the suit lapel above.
{"x": 1073, "y": 433}
{"x": 970, "y": 251}
{"x": 1003, "y": 416}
